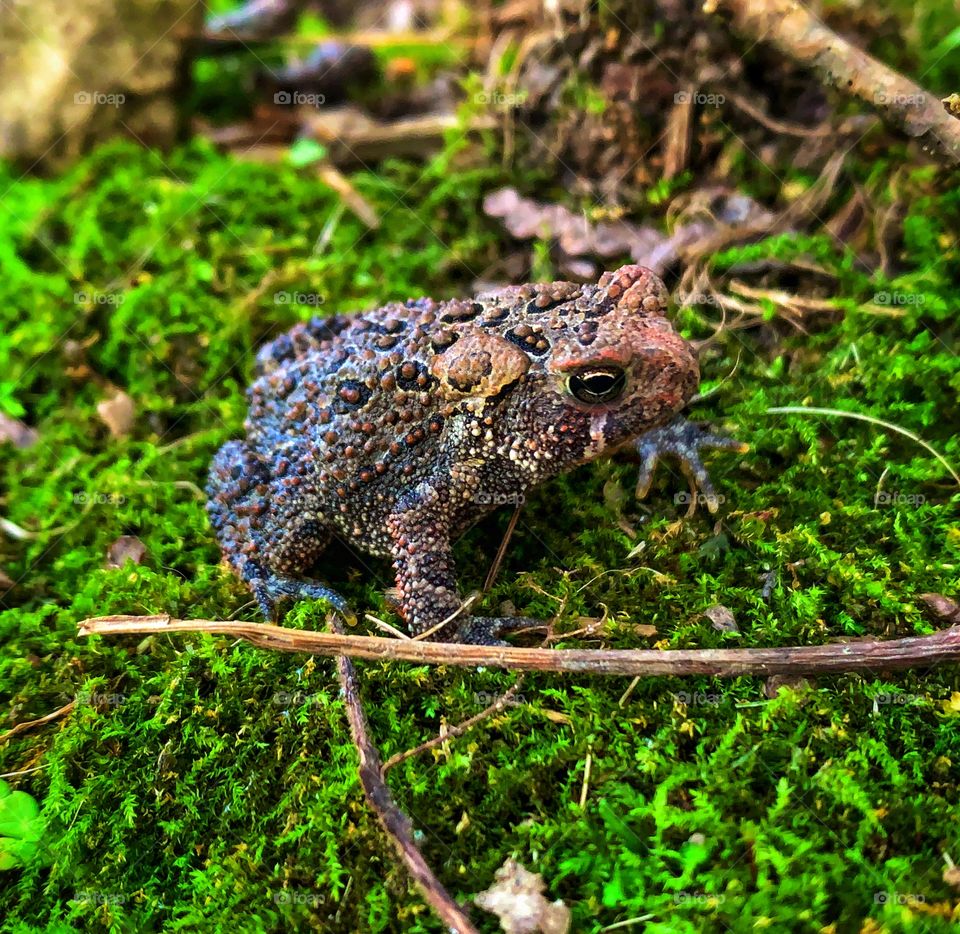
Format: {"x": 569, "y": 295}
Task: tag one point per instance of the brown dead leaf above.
{"x": 126, "y": 546}
{"x": 117, "y": 413}
{"x": 14, "y": 431}
{"x": 676, "y": 150}
{"x": 576, "y": 236}
{"x": 721, "y": 618}
{"x": 6, "y": 582}
{"x": 527, "y": 219}
{"x": 517, "y": 899}
{"x": 944, "y": 607}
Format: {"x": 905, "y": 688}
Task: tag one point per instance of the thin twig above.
{"x": 386, "y": 627}
{"x": 585, "y": 787}
{"x": 499, "y": 704}
{"x": 331, "y": 176}
{"x": 20, "y": 772}
{"x": 502, "y": 550}
{"x": 624, "y": 697}
{"x": 209, "y": 42}
{"x": 870, "y": 656}
{"x": 30, "y": 724}
{"x": 859, "y": 416}
{"x": 350, "y": 145}
{"x": 396, "y": 824}
{"x": 778, "y": 126}
{"x": 464, "y": 606}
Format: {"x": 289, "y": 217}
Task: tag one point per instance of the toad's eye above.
{"x": 597, "y": 385}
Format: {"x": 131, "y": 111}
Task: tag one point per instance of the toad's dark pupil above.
{"x": 597, "y": 385}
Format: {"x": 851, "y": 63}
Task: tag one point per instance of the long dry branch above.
{"x": 869, "y": 656}
{"x": 796, "y": 31}
{"x": 395, "y": 822}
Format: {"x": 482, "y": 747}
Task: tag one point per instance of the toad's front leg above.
{"x": 683, "y": 440}
{"x": 419, "y": 530}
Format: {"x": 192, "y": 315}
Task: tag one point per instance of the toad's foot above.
{"x": 272, "y": 590}
{"x": 486, "y": 630}
{"x": 684, "y": 441}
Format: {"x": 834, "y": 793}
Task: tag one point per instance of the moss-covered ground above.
{"x": 201, "y": 782}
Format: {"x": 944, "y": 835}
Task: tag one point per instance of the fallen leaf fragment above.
{"x": 14, "y": 431}
{"x": 577, "y": 236}
{"x": 721, "y": 618}
{"x": 117, "y": 413}
{"x": 942, "y": 606}
{"x": 518, "y": 901}
{"x": 126, "y": 546}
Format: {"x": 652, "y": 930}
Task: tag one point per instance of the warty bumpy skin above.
{"x": 396, "y": 429}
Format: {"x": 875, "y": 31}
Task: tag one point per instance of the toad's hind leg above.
{"x": 239, "y": 506}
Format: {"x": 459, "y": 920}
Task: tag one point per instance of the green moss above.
{"x": 201, "y": 780}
